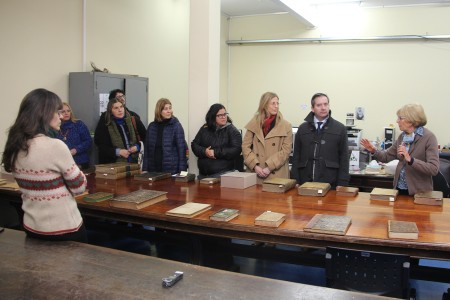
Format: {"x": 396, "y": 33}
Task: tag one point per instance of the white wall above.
{"x": 41, "y": 42}
{"x": 380, "y": 76}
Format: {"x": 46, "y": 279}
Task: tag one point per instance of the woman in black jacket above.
{"x": 217, "y": 144}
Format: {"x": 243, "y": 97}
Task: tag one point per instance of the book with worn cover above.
{"x": 186, "y": 178}
{"x": 278, "y": 185}
{"x": 270, "y": 219}
{"x": 210, "y": 180}
{"x": 116, "y": 175}
{"x": 328, "y": 224}
{"x": 314, "y": 189}
{"x": 138, "y": 199}
{"x": 383, "y": 194}
{"x": 429, "y": 198}
{"x": 97, "y": 197}
{"x": 402, "y": 230}
{"x": 152, "y": 176}
{"x": 115, "y": 168}
{"x": 189, "y": 210}
{"x": 224, "y": 215}
{"x": 10, "y": 186}
{"x": 346, "y": 191}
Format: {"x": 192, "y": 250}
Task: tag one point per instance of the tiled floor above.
{"x": 282, "y": 271}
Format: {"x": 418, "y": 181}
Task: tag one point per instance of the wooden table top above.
{"x": 34, "y": 269}
{"x": 367, "y": 232}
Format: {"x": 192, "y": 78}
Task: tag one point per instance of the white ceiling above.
{"x": 234, "y": 8}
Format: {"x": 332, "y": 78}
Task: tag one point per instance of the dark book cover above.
{"x": 152, "y": 176}
{"x": 138, "y": 199}
{"x": 210, "y": 180}
{"x": 225, "y": 215}
{"x": 98, "y": 197}
{"x": 116, "y": 176}
{"x": 187, "y": 178}
{"x": 328, "y": 224}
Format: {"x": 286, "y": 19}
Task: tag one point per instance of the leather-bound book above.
{"x": 270, "y": 219}
{"x": 429, "y": 198}
{"x": 210, "y": 180}
{"x": 224, "y": 215}
{"x": 116, "y": 176}
{"x": 328, "y": 224}
{"x": 185, "y": 178}
{"x": 189, "y": 210}
{"x": 115, "y": 168}
{"x": 383, "y": 194}
{"x": 138, "y": 199}
{"x": 278, "y": 185}
{"x": 402, "y": 230}
{"x": 97, "y": 197}
{"x": 152, "y": 176}
{"x": 314, "y": 189}
{"x": 347, "y": 191}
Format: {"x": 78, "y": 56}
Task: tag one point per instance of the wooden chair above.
{"x": 370, "y": 272}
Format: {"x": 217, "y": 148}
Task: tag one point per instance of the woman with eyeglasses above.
{"x": 45, "y": 171}
{"x": 416, "y": 148}
{"x": 217, "y": 144}
{"x": 165, "y": 145}
{"x": 75, "y": 134}
{"x": 268, "y": 141}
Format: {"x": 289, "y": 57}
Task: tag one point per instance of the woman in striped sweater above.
{"x": 44, "y": 169}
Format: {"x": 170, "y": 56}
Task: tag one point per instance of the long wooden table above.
{"x": 367, "y": 232}
{"x": 34, "y": 269}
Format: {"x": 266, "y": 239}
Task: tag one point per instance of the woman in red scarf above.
{"x": 268, "y": 140}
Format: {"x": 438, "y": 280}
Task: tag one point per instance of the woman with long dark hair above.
{"x": 44, "y": 169}
{"x": 217, "y": 144}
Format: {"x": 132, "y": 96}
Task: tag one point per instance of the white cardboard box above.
{"x": 238, "y": 180}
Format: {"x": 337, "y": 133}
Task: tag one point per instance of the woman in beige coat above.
{"x": 268, "y": 141}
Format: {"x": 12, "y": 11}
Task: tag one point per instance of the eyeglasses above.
{"x": 400, "y": 118}
{"x": 65, "y": 111}
{"x": 120, "y": 97}
{"x": 60, "y": 112}
{"x": 222, "y": 115}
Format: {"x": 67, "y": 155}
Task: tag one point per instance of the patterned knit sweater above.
{"x": 47, "y": 177}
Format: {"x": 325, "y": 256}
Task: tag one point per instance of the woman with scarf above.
{"x": 416, "y": 149}
{"x": 268, "y": 140}
{"x": 217, "y": 144}
{"x": 165, "y": 146}
{"x": 117, "y": 136}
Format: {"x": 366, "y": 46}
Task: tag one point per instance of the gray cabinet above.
{"x": 86, "y": 90}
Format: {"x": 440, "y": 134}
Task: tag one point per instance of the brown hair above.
{"x": 159, "y": 108}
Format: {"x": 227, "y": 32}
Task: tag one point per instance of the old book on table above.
{"x": 210, "y": 180}
{"x": 314, "y": 189}
{"x": 116, "y": 175}
{"x": 402, "y": 230}
{"x": 115, "y": 168}
{"x": 383, "y": 194}
{"x": 328, "y": 224}
{"x": 429, "y": 198}
{"x": 97, "y": 197}
{"x": 224, "y": 215}
{"x": 138, "y": 199}
{"x": 152, "y": 176}
{"x": 270, "y": 219}
{"x": 189, "y": 210}
{"x": 10, "y": 186}
{"x": 185, "y": 178}
{"x": 278, "y": 185}
{"x": 346, "y": 191}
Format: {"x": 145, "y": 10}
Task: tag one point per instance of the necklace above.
{"x": 64, "y": 134}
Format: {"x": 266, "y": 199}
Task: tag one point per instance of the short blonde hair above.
{"x": 413, "y": 113}
{"x": 159, "y": 108}
{"x": 262, "y": 112}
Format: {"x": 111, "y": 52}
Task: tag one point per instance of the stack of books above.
{"x": 116, "y": 170}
